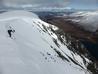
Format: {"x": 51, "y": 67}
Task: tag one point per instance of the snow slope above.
{"x": 33, "y": 49}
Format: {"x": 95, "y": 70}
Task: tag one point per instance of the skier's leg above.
{"x": 10, "y": 34}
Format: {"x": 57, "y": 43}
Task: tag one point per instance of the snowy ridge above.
{"x": 34, "y": 47}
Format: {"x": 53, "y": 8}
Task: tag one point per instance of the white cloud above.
{"x": 34, "y": 3}
{"x": 48, "y": 3}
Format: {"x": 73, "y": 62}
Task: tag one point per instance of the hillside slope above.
{"x": 34, "y": 47}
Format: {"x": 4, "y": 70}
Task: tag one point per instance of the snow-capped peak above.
{"x": 17, "y": 14}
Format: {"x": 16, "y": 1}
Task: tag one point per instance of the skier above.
{"x": 10, "y": 31}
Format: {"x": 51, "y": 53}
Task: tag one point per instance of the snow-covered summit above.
{"x": 34, "y": 47}
{"x": 17, "y": 14}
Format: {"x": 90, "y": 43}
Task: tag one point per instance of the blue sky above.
{"x": 83, "y": 4}
{"x": 77, "y": 4}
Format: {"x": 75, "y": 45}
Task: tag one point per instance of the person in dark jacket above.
{"x": 10, "y": 31}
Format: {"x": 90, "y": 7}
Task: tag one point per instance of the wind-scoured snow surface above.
{"x": 89, "y": 20}
{"x": 32, "y": 50}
